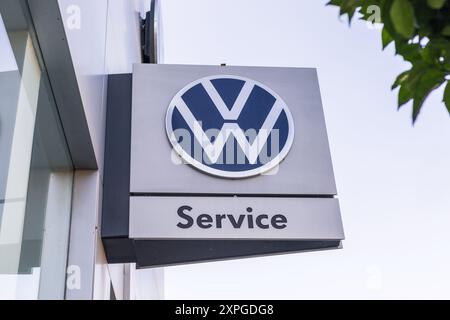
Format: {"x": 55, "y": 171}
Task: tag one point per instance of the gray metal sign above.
{"x": 235, "y": 218}
{"x": 233, "y": 102}
{"x": 224, "y": 162}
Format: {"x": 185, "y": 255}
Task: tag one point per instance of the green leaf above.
{"x": 347, "y": 7}
{"x": 403, "y": 19}
{"x": 386, "y": 38}
{"x": 409, "y": 52}
{"x": 404, "y": 95}
{"x": 436, "y": 4}
{"x": 421, "y": 32}
{"x": 446, "y": 31}
{"x": 447, "y": 96}
{"x": 401, "y": 79}
{"x": 335, "y": 3}
{"x": 386, "y": 19}
{"x": 415, "y": 74}
{"x": 430, "y": 80}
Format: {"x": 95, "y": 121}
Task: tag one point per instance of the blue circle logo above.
{"x": 230, "y": 126}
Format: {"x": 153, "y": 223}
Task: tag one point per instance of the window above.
{"x": 36, "y": 171}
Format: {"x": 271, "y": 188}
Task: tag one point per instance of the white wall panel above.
{"x": 85, "y": 22}
{"x": 104, "y": 37}
{"x": 83, "y": 235}
{"x": 123, "y": 36}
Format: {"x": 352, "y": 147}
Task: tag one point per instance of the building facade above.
{"x": 55, "y": 58}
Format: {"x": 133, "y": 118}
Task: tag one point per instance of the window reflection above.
{"x": 35, "y": 169}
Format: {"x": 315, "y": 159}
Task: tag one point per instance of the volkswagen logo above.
{"x": 230, "y": 126}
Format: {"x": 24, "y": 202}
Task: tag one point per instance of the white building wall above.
{"x": 103, "y": 37}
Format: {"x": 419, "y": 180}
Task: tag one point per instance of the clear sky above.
{"x": 393, "y": 179}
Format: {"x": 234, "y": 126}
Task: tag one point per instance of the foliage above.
{"x": 420, "y": 30}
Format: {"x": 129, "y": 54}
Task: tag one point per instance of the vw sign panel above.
{"x": 210, "y": 130}
{"x": 215, "y": 162}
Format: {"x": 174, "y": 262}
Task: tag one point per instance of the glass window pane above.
{"x": 36, "y": 171}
